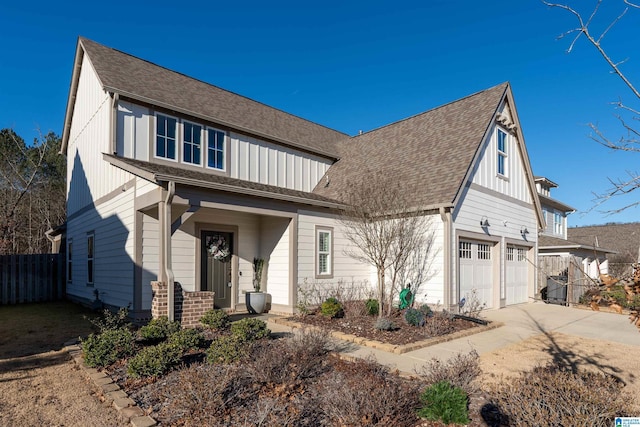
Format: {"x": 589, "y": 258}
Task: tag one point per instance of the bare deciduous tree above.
{"x": 627, "y": 115}
{"x": 388, "y": 232}
{"x": 32, "y": 192}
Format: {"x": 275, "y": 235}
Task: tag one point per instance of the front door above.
{"x": 217, "y": 252}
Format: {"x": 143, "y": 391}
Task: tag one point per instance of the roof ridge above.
{"x": 506, "y": 84}
{"x": 83, "y": 39}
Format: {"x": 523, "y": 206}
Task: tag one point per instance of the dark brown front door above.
{"x": 217, "y": 251}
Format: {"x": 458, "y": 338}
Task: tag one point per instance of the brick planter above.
{"x": 188, "y": 306}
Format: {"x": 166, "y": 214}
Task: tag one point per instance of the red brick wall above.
{"x": 189, "y": 306}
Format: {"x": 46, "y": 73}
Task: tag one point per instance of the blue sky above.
{"x": 353, "y": 66}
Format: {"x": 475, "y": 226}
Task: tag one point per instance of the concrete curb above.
{"x": 391, "y": 348}
{"x": 109, "y": 391}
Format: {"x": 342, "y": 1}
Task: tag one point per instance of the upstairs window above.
{"x": 215, "y": 149}
{"x": 502, "y": 153}
{"x": 191, "y": 136}
{"x": 558, "y": 224}
{"x": 166, "y": 137}
{"x": 324, "y": 252}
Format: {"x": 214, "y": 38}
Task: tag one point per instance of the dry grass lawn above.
{"x": 39, "y": 384}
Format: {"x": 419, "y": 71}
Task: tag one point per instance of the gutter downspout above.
{"x": 114, "y": 123}
{"x": 166, "y": 229}
{"x": 445, "y": 216}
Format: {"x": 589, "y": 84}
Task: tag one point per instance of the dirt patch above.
{"x": 607, "y": 357}
{"x": 48, "y": 389}
{"x": 39, "y": 383}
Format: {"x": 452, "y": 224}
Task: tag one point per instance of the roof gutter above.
{"x": 247, "y": 191}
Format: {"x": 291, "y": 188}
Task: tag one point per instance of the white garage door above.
{"x": 517, "y": 275}
{"x": 476, "y": 271}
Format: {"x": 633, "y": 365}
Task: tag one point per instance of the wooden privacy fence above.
{"x": 31, "y": 278}
{"x": 571, "y": 268}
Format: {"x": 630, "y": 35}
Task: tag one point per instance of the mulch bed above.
{"x": 363, "y": 326}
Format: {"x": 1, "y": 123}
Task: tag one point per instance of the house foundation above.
{"x": 189, "y": 307}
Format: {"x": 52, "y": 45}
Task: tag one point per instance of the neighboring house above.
{"x": 622, "y": 239}
{"x": 164, "y": 170}
{"x": 554, "y": 241}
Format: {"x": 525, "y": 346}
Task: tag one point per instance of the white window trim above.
{"x": 502, "y": 153}
{"x": 329, "y": 273}
{"x": 202, "y": 142}
{"x": 225, "y": 149}
{"x": 69, "y": 265}
{"x": 91, "y": 258}
{"x": 155, "y": 137}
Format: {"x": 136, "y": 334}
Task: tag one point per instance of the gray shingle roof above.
{"x": 159, "y": 172}
{"x": 431, "y": 151}
{"x": 623, "y": 238}
{"x": 549, "y": 242}
{"x": 127, "y": 75}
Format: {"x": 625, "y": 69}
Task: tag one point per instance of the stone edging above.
{"x": 111, "y": 393}
{"x": 393, "y": 348}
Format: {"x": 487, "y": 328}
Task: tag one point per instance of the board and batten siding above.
{"x": 89, "y": 177}
{"x": 485, "y": 174}
{"x": 112, "y": 223}
{"x": 255, "y": 160}
{"x": 249, "y": 158}
{"x": 344, "y": 269}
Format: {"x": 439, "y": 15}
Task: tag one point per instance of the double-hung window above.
{"x": 70, "y": 260}
{"x": 215, "y": 149}
{"x": 90, "y": 257}
{"x": 166, "y": 136}
{"x": 557, "y": 224}
{"x": 191, "y": 142}
{"x": 502, "y": 153}
{"x": 324, "y": 252}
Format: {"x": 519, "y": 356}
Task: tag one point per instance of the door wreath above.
{"x": 218, "y": 247}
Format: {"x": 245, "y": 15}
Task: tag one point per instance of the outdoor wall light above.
{"x": 523, "y": 230}
{"x": 484, "y": 222}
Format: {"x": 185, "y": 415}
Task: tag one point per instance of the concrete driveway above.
{"x": 520, "y": 322}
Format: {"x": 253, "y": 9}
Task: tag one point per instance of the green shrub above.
{"x": 373, "y": 306}
{"x": 227, "y": 349}
{"x": 154, "y": 361}
{"x": 110, "y": 321}
{"x": 331, "y": 307}
{"x": 425, "y": 310}
{"x": 444, "y": 402}
{"x": 384, "y": 324}
{"x": 107, "y": 347}
{"x": 187, "y": 339}
{"x": 248, "y": 329}
{"x": 414, "y": 317}
{"x": 215, "y": 319}
{"x": 158, "y": 329}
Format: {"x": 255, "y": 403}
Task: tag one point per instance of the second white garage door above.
{"x": 517, "y": 275}
{"x": 476, "y": 270}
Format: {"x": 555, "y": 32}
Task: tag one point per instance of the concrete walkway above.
{"x": 520, "y": 322}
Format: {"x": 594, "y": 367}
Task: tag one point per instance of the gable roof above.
{"x": 137, "y": 79}
{"x": 159, "y": 173}
{"x": 437, "y": 147}
{"x": 623, "y": 238}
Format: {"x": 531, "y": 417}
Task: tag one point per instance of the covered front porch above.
{"x": 210, "y": 243}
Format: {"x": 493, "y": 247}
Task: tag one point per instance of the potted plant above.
{"x": 257, "y": 300}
